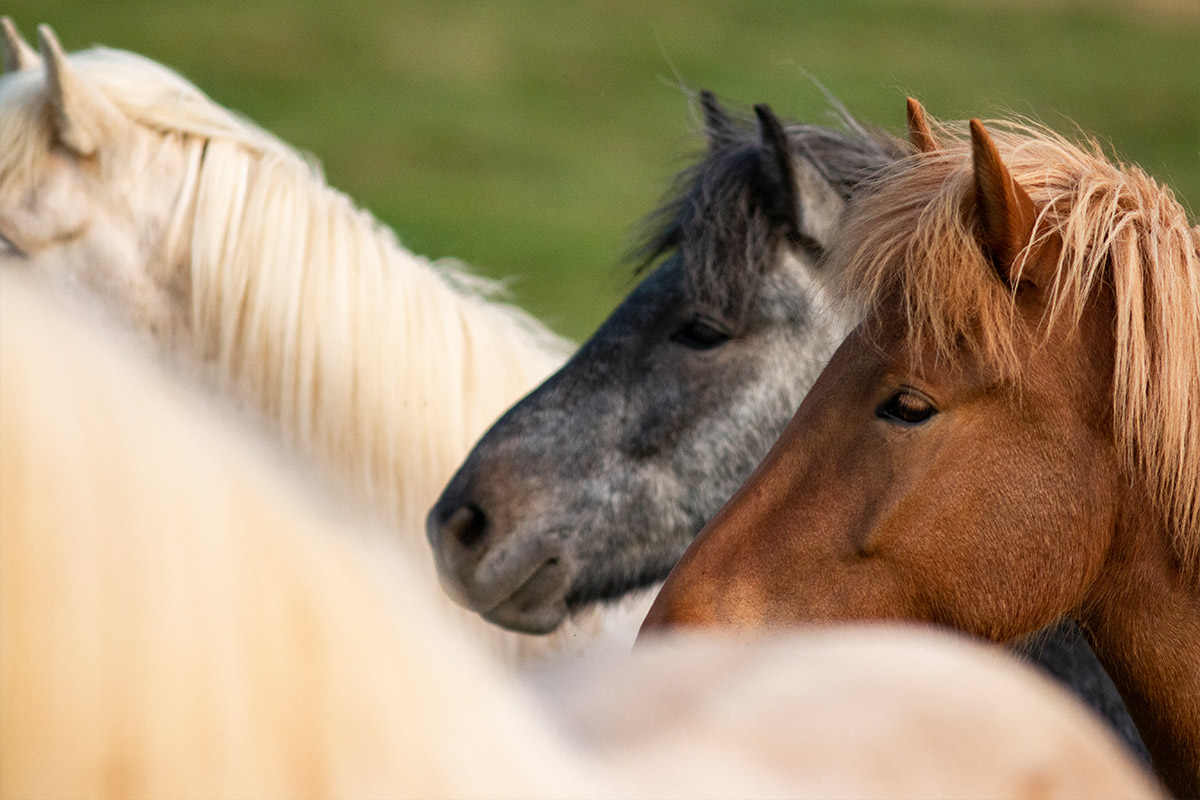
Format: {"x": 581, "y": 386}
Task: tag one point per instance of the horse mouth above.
{"x": 538, "y": 605}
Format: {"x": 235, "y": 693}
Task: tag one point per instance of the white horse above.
{"x": 179, "y": 618}
{"x": 225, "y": 244}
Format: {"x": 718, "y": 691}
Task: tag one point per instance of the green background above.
{"x": 528, "y": 138}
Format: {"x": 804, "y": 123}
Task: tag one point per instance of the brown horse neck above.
{"x": 1144, "y": 622}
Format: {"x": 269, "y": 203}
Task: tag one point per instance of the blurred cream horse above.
{"x": 221, "y": 241}
{"x": 179, "y": 618}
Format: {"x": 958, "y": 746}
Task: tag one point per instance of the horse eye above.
{"x": 700, "y": 334}
{"x": 906, "y": 408}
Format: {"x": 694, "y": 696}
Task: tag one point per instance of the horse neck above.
{"x": 1144, "y": 621}
{"x": 368, "y": 357}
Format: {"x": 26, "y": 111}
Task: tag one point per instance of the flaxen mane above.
{"x": 303, "y": 301}
{"x": 377, "y": 364}
{"x": 1119, "y": 228}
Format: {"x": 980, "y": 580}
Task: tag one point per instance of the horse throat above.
{"x": 1144, "y": 622}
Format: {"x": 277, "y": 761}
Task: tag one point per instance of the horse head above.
{"x": 87, "y": 195}
{"x": 1009, "y": 435}
{"x": 591, "y": 487}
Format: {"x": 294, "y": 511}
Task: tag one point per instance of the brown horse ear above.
{"x": 719, "y": 127}
{"x": 84, "y": 118}
{"x": 16, "y": 52}
{"x": 919, "y": 134}
{"x": 1005, "y": 214}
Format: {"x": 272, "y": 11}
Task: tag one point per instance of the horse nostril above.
{"x": 466, "y": 526}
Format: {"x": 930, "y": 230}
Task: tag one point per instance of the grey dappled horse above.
{"x": 590, "y": 489}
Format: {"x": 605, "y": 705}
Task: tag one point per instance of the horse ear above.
{"x": 812, "y": 203}
{"x": 84, "y": 117}
{"x": 16, "y": 52}
{"x": 719, "y": 127}
{"x": 1005, "y": 214}
{"x": 776, "y": 155}
{"x": 919, "y": 134}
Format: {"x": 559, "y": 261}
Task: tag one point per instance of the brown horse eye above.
{"x": 906, "y": 408}
{"x": 700, "y": 334}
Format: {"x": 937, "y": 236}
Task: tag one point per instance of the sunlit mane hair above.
{"x": 363, "y": 351}
{"x": 1119, "y": 230}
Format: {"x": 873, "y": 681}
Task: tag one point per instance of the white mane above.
{"x": 381, "y": 366}
{"x": 363, "y": 351}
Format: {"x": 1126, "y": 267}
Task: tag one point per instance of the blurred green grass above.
{"x": 527, "y": 138}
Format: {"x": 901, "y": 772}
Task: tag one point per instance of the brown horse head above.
{"x": 1011, "y": 434}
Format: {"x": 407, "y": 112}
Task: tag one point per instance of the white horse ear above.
{"x": 16, "y": 52}
{"x": 84, "y": 117}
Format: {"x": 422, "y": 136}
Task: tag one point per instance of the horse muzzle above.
{"x": 516, "y": 582}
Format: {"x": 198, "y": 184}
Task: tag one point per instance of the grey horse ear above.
{"x": 820, "y": 206}
{"x": 812, "y": 204}
{"x": 719, "y": 127}
{"x": 777, "y": 158}
{"x": 920, "y": 136}
{"x": 84, "y": 118}
{"x": 16, "y": 52}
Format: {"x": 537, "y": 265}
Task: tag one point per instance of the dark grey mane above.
{"x": 727, "y": 207}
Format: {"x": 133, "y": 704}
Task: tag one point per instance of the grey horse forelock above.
{"x": 712, "y": 214}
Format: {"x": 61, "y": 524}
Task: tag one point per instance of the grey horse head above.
{"x": 592, "y": 486}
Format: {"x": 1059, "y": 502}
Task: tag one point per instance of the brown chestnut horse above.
{"x": 1011, "y": 434}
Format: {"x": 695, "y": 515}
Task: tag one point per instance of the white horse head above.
{"x": 86, "y": 194}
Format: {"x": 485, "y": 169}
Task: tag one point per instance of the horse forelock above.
{"x": 909, "y": 241}
{"x": 716, "y": 216}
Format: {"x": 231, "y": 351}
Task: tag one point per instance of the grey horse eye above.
{"x": 700, "y": 334}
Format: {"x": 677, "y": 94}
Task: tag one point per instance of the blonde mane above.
{"x": 380, "y": 365}
{"x": 363, "y": 351}
{"x": 1119, "y": 229}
